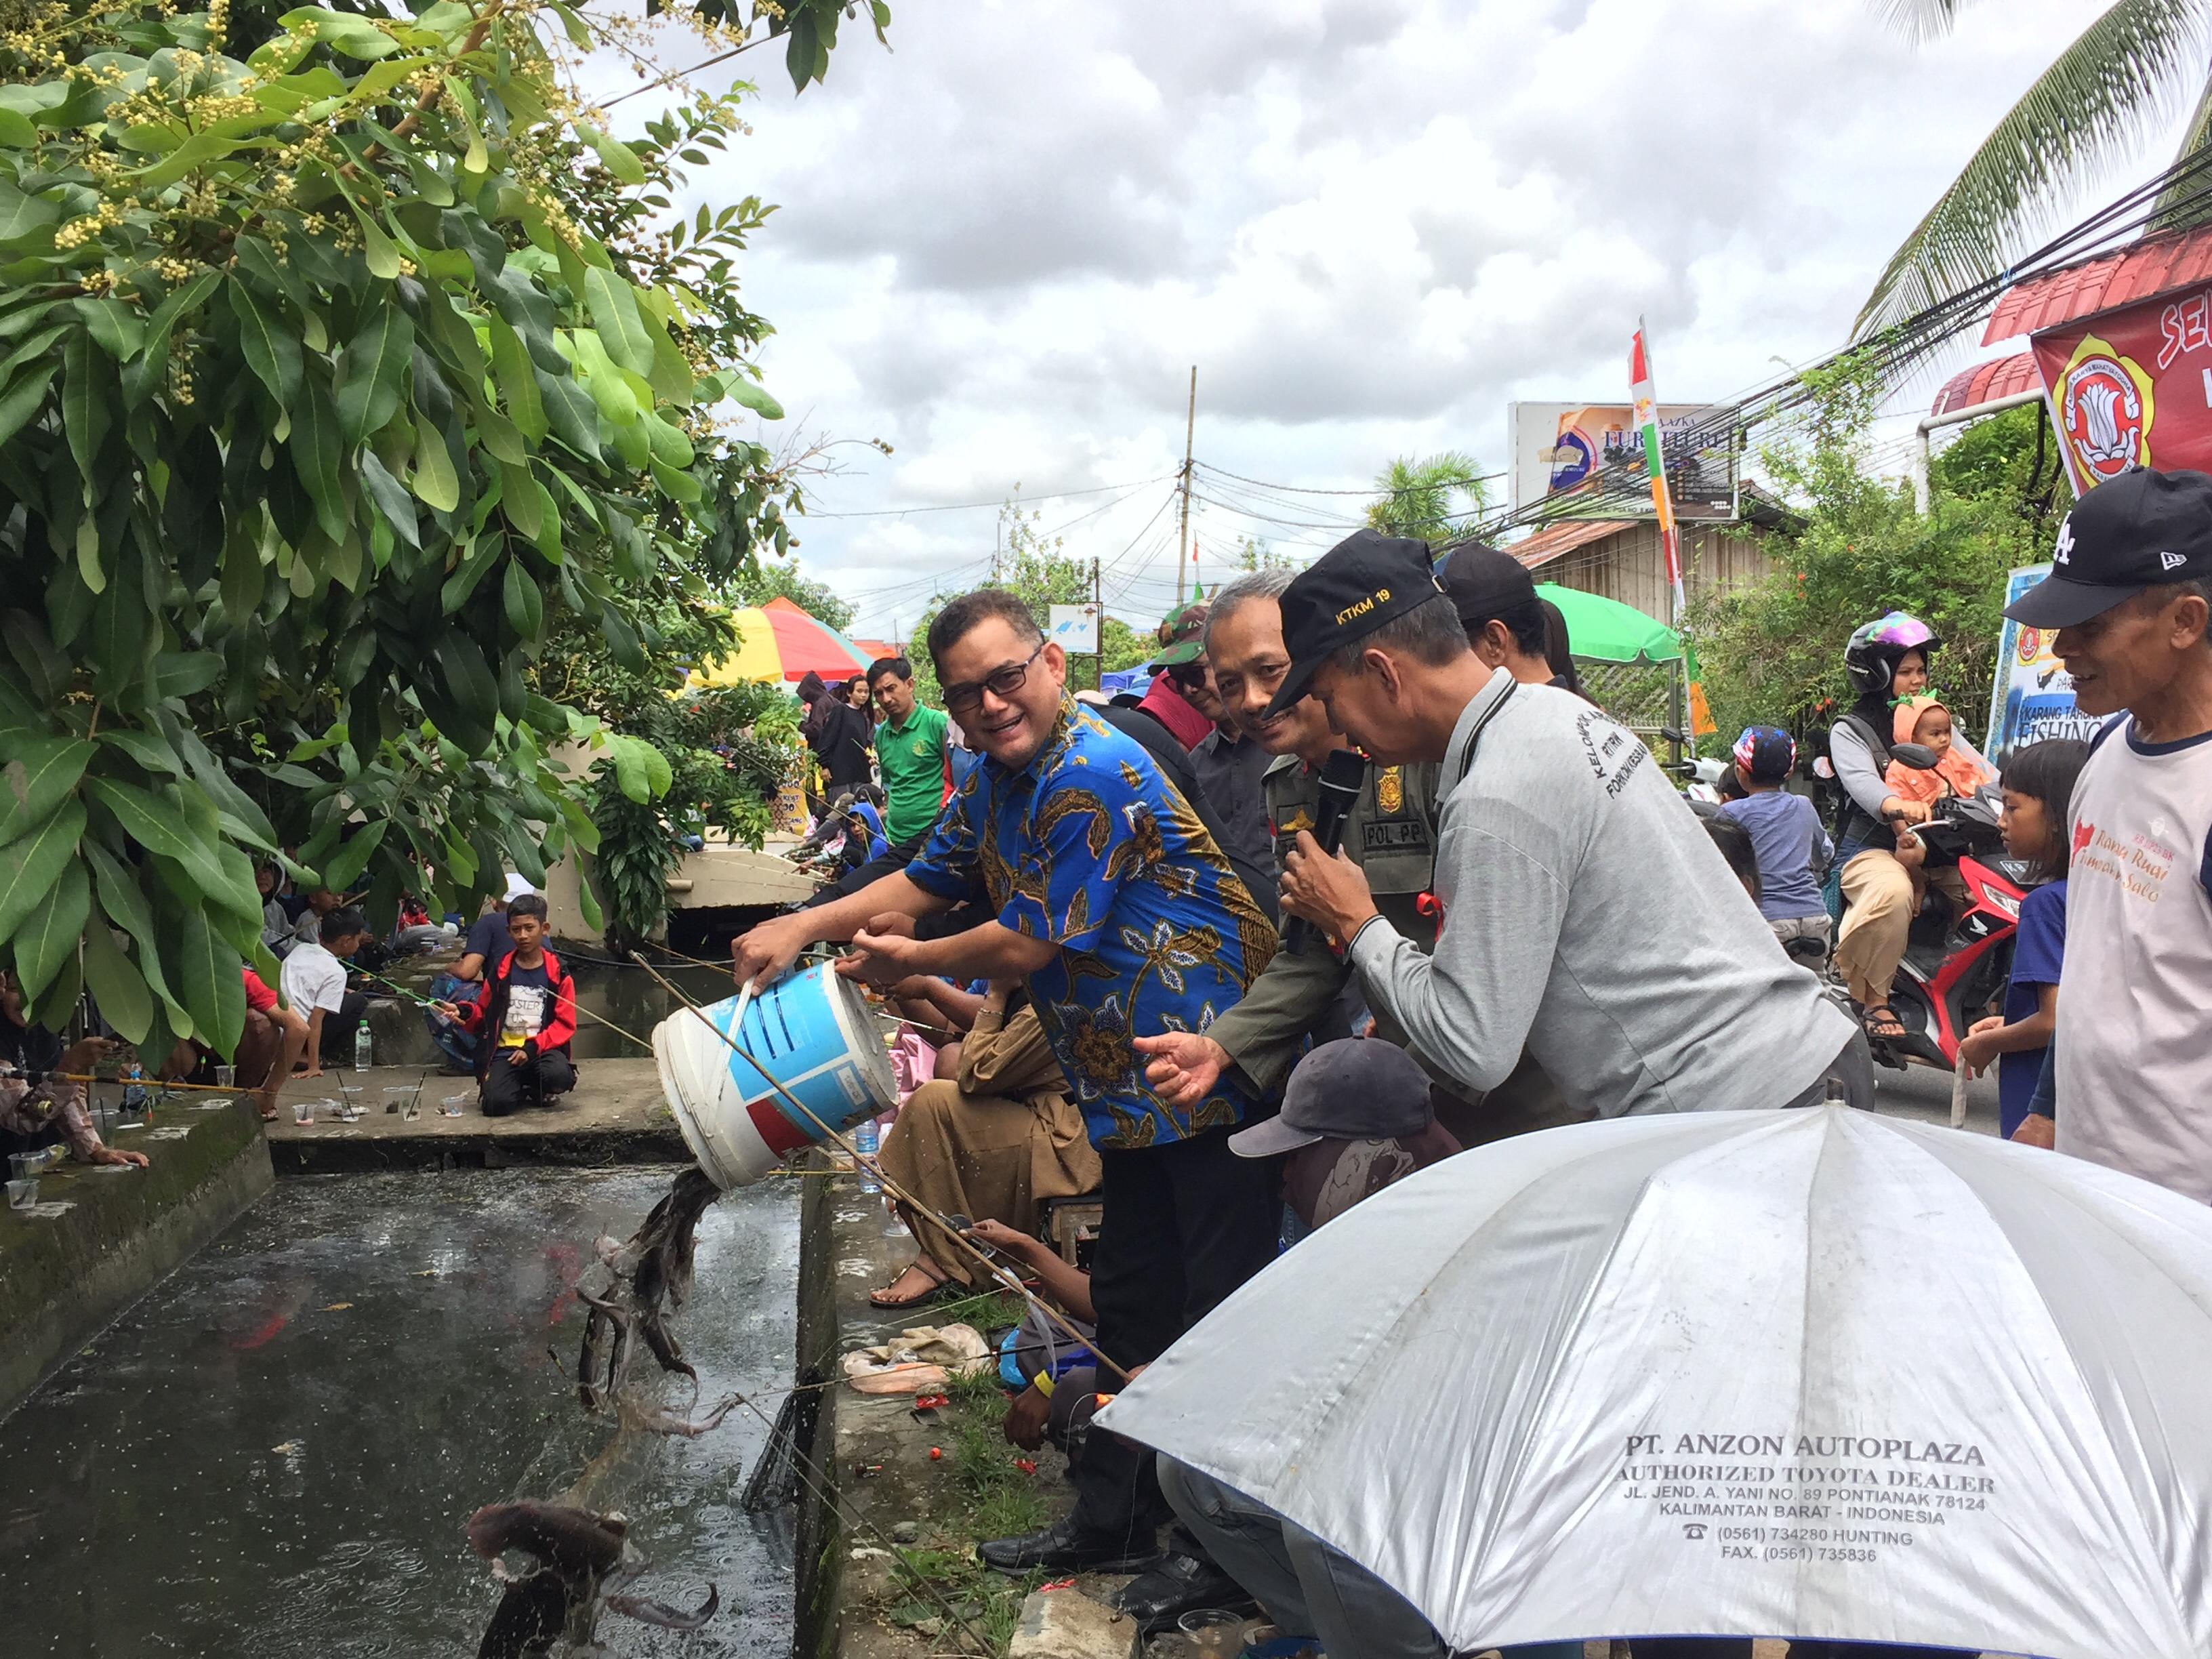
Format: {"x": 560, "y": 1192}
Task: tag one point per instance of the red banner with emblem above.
{"x": 2132, "y": 387}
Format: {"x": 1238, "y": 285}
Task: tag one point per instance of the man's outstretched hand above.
{"x": 765, "y": 954}
{"x": 1184, "y": 1065}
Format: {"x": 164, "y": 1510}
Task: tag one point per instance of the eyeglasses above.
{"x": 964, "y": 699}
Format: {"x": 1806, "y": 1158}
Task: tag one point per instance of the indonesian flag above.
{"x": 1646, "y": 402}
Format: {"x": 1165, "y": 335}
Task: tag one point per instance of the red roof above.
{"x": 1565, "y": 536}
{"x": 2000, "y": 377}
{"x": 2156, "y": 264}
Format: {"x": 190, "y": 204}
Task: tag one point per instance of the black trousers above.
{"x": 1184, "y": 1224}
{"x": 875, "y": 869}
{"x": 508, "y": 1088}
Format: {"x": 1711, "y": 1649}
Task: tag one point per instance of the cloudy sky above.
{"x": 1369, "y": 224}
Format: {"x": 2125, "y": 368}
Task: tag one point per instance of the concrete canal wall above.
{"x": 65, "y": 1273}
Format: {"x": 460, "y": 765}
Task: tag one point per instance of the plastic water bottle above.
{"x": 134, "y": 1088}
{"x": 361, "y": 1047}
{"x": 864, "y": 1142}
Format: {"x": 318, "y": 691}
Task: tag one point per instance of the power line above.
{"x": 1400, "y": 489}
{"x": 971, "y": 507}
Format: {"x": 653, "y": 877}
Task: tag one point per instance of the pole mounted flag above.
{"x": 1646, "y": 402}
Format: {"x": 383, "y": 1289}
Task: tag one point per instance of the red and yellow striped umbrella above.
{"x": 781, "y": 644}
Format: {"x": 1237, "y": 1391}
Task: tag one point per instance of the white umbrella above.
{"x": 1818, "y": 1374}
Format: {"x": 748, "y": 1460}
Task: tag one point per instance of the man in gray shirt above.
{"x": 1586, "y": 916}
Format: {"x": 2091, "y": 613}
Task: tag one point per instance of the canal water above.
{"x": 273, "y": 1454}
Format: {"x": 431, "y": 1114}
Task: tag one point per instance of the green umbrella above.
{"x": 1609, "y": 631}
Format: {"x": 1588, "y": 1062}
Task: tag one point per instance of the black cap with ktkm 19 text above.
{"x": 2128, "y": 533}
{"x": 1366, "y": 580}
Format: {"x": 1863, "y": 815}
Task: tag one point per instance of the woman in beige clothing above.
{"x": 992, "y": 1143}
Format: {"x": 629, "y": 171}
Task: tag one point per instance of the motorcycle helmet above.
{"x": 1870, "y": 659}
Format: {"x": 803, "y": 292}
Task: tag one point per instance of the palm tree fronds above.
{"x": 2183, "y": 203}
{"x": 1922, "y": 20}
{"x": 2115, "y": 83}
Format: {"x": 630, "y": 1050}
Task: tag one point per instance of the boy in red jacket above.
{"x": 525, "y": 1018}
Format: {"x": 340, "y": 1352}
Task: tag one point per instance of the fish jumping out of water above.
{"x": 650, "y": 1273}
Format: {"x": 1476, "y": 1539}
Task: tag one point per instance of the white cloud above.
{"x": 1371, "y": 223}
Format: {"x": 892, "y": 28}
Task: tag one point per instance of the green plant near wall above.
{"x": 338, "y": 368}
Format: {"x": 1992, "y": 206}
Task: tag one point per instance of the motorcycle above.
{"x": 1957, "y": 958}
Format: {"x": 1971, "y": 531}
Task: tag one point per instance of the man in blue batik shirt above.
{"x": 1114, "y": 904}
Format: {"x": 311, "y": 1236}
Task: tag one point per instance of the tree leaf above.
{"x": 379, "y": 250}
{"x": 525, "y": 605}
{"x": 148, "y": 748}
{"x": 51, "y": 932}
{"x": 88, "y": 394}
{"x": 616, "y": 157}
{"x": 434, "y": 479}
{"x": 116, "y": 326}
{"x": 272, "y": 349}
{"x": 116, "y": 986}
{"x": 23, "y": 397}
{"x": 31, "y": 864}
{"x": 517, "y": 385}
{"x": 43, "y": 774}
{"x": 391, "y": 497}
{"x": 341, "y": 868}
{"x": 615, "y": 317}
{"x": 755, "y": 397}
{"x": 215, "y": 991}
{"x": 316, "y": 449}
{"x": 375, "y": 374}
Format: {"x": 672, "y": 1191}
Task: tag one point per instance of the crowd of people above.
{"x": 1511, "y": 919}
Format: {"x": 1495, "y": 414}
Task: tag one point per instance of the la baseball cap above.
{"x": 1353, "y": 1088}
{"x": 1485, "y": 583}
{"x": 1766, "y": 753}
{"x": 1183, "y": 635}
{"x": 1364, "y": 581}
{"x": 2128, "y": 533}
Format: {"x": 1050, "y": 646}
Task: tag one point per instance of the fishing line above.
{"x": 991, "y": 1268}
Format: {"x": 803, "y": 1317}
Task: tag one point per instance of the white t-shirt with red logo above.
{"x": 2135, "y": 995}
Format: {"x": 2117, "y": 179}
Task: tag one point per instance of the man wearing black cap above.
{"x": 1587, "y": 917}
{"x": 2128, "y": 593}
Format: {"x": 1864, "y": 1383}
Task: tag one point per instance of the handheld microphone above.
{"x": 1343, "y": 776}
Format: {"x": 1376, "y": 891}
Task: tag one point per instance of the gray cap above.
{"x": 1353, "y": 1089}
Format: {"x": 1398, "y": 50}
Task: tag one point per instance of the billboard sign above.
{"x": 1074, "y": 628}
{"x": 1559, "y": 448}
{"x": 2132, "y": 388}
{"x": 2034, "y": 696}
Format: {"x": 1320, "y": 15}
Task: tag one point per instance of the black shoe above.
{"x": 1178, "y": 1583}
{"x": 1065, "y": 1547}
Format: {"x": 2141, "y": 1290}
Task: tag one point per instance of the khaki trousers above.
{"x": 1877, "y": 915}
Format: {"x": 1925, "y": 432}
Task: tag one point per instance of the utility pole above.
{"x": 1182, "y": 540}
{"x": 1098, "y": 609}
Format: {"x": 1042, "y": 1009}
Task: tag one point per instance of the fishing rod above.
{"x": 868, "y": 1162}
{"x": 433, "y": 1005}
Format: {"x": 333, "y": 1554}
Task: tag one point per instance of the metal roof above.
{"x": 2000, "y": 377}
{"x": 1554, "y": 540}
{"x": 2157, "y": 264}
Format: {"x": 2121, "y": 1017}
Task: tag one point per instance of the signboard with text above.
{"x": 2034, "y": 696}
{"x": 1561, "y": 448}
{"x": 2132, "y": 388}
{"x": 1074, "y": 628}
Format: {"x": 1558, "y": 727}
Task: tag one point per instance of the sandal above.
{"x": 940, "y": 1286}
{"x": 1879, "y": 1022}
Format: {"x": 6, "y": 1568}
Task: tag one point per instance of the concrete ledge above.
{"x": 63, "y": 1278}
{"x": 616, "y": 1116}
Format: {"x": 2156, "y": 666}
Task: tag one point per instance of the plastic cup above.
{"x": 21, "y": 1195}
{"x": 226, "y": 1077}
{"x": 303, "y": 1112}
{"x": 1212, "y": 1631}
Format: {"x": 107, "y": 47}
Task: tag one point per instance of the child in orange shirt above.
{"x": 1959, "y": 770}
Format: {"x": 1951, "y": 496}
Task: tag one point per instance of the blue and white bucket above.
{"x": 811, "y": 1030}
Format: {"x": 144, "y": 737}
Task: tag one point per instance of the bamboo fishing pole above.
{"x": 999, "y": 1274}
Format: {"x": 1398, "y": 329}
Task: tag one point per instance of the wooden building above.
{"x": 1619, "y": 558}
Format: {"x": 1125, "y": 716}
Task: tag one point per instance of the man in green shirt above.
{"x": 912, "y": 754}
